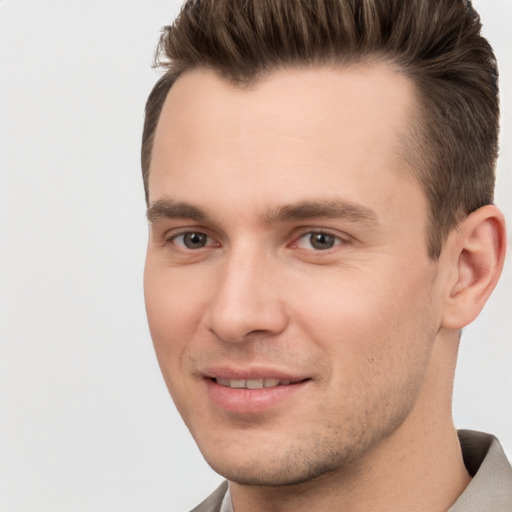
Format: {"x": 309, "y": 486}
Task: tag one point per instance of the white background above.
{"x": 85, "y": 420}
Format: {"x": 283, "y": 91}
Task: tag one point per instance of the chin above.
{"x": 301, "y": 456}
{"x": 294, "y": 465}
{"x": 279, "y": 476}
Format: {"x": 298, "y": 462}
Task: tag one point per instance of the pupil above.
{"x": 194, "y": 240}
{"x": 322, "y": 241}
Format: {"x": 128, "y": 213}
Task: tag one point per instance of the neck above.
{"x": 419, "y": 467}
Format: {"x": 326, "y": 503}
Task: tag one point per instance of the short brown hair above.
{"x": 437, "y": 43}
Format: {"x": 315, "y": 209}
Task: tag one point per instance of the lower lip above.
{"x": 250, "y": 401}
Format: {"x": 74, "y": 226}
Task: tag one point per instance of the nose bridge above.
{"x": 245, "y": 300}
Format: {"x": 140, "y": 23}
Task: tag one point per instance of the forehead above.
{"x": 296, "y": 131}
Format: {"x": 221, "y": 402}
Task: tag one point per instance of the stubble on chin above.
{"x": 338, "y": 451}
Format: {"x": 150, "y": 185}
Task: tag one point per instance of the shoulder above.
{"x": 214, "y": 501}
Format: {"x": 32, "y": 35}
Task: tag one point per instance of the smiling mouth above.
{"x": 230, "y": 393}
{"x": 254, "y": 383}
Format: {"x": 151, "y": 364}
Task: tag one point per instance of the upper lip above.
{"x": 250, "y": 373}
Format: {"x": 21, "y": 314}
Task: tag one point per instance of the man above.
{"x": 319, "y": 178}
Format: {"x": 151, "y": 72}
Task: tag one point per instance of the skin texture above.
{"x": 369, "y": 326}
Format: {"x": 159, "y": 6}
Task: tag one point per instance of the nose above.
{"x": 247, "y": 301}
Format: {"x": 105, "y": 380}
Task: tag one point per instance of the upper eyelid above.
{"x": 301, "y": 232}
{"x": 177, "y": 231}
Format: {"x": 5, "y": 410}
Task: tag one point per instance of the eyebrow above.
{"x": 303, "y": 210}
{"x": 169, "y": 209}
{"x": 324, "y": 208}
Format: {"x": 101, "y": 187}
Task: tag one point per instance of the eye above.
{"x": 192, "y": 240}
{"x": 318, "y": 240}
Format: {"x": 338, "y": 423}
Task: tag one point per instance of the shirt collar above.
{"x": 491, "y": 486}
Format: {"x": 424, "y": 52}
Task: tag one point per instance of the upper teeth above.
{"x": 252, "y": 383}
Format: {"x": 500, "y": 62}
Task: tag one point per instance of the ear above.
{"x": 476, "y": 254}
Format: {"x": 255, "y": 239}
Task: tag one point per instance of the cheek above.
{"x": 173, "y": 306}
{"x": 173, "y": 316}
{"x": 378, "y": 347}
{"x": 369, "y": 323}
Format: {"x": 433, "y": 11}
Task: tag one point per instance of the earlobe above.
{"x": 479, "y": 253}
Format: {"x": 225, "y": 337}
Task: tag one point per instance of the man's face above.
{"x": 288, "y": 250}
